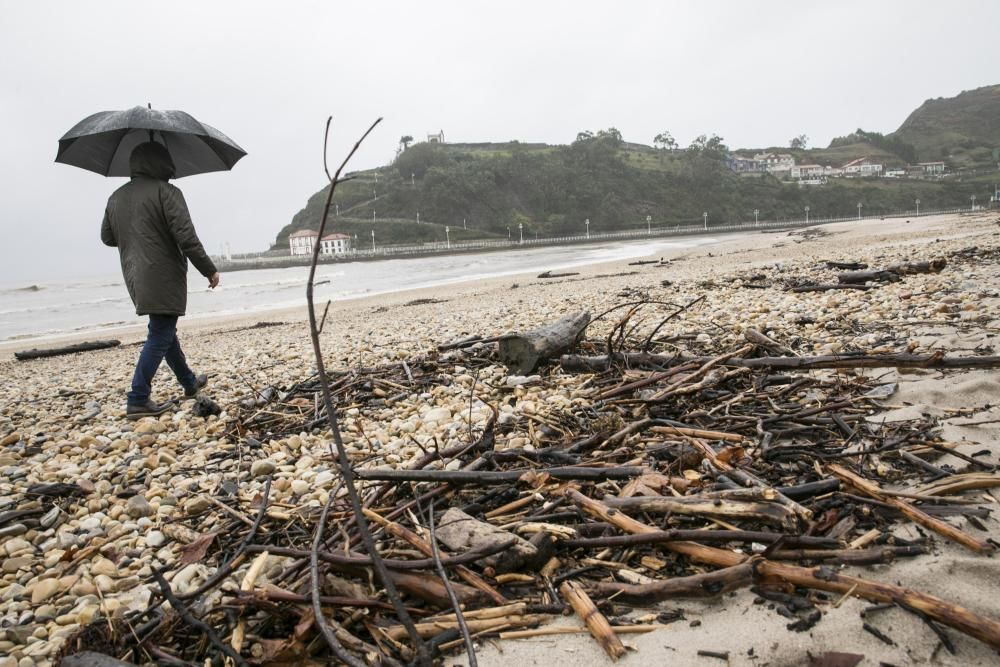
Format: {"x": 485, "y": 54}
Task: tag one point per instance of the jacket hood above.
{"x": 153, "y": 160}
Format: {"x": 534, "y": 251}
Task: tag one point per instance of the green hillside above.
{"x": 486, "y": 190}
{"x": 963, "y": 130}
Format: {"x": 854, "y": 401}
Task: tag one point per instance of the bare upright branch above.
{"x": 346, "y": 470}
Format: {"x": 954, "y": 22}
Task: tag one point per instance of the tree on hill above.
{"x": 800, "y": 142}
{"x": 664, "y": 141}
{"x": 405, "y": 141}
{"x": 713, "y": 146}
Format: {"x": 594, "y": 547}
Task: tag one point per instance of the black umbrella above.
{"x": 104, "y": 141}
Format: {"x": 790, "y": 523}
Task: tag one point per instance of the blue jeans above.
{"x": 161, "y": 343}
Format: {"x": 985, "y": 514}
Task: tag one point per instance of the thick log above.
{"x": 892, "y": 272}
{"x": 523, "y": 352}
{"x": 498, "y": 476}
{"x": 710, "y": 584}
{"x": 597, "y": 364}
{"x": 868, "y": 276}
{"x": 596, "y": 622}
{"x": 822, "y": 578}
{"x": 830, "y": 288}
{"x": 35, "y": 353}
{"x": 711, "y": 507}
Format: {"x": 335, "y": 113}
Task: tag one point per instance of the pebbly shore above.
{"x": 90, "y": 551}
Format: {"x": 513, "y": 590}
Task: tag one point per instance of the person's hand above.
{"x": 213, "y": 281}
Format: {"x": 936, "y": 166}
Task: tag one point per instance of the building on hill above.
{"x": 744, "y": 165}
{"x": 302, "y": 242}
{"x": 775, "y": 163}
{"x": 863, "y": 167}
{"x": 335, "y": 244}
{"x": 801, "y": 171}
{"x": 931, "y": 168}
{"x": 436, "y": 138}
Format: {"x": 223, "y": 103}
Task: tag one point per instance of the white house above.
{"x": 862, "y": 167}
{"x": 302, "y": 242}
{"x": 436, "y": 138}
{"x": 801, "y": 171}
{"x": 335, "y": 244}
{"x": 932, "y": 168}
{"x": 775, "y": 162}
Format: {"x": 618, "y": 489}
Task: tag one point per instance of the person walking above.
{"x": 147, "y": 219}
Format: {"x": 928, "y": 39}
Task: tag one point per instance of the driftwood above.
{"x": 914, "y": 513}
{"x": 599, "y": 363}
{"x": 891, "y": 273}
{"x": 705, "y": 585}
{"x": 35, "y": 353}
{"x": 713, "y": 507}
{"x": 498, "y": 476}
{"x": 550, "y": 274}
{"x": 985, "y": 629}
{"x": 523, "y": 352}
{"x": 594, "y": 619}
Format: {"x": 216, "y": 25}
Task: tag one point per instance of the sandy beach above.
{"x": 63, "y": 420}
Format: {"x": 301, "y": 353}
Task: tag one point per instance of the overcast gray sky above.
{"x": 268, "y": 74}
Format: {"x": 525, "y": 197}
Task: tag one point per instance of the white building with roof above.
{"x": 302, "y": 242}
{"x": 335, "y": 244}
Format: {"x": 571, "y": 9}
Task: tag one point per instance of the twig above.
{"x": 195, "y": 623}
{"x": 320, "y": 618}
{"x": 344, "y": 463}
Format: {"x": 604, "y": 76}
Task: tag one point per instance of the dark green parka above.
{"x": 147, "y": 219}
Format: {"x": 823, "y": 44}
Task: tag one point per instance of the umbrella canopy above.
{"x": 104, "y": 141}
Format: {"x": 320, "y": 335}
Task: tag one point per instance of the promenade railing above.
{"x": 273, "y": 259}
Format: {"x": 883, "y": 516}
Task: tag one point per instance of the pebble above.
{"x": 155, "y": 538}
{"x": 300, "y": 487}
{"x": 262, "y": 468}
{"x": 195, "y": 505}
{"x": 137, "y": 506}
{"x": 43, "y": 590}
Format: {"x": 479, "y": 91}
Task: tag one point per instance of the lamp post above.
{"x": 373, "y": 215}
{"x": 973, "y": 202}
{"x": 587, "y": 222}
{"x": 520, "y": 231}
{"x": 704, "y": 217}
{"x": 374, "y": 194}
{"x": 413, "y": 182}
{"x": 336, "y": 207}
{"x": 860, "y": 205}
{"x": 508, "y": 233}
{"x": 418, "y": 217}
{"x": 807, "y": 215}
{"x": 649, "y": 228}
{"x": 917, "y": 202}
{"x": 756, "y": 222}
{"x": 373, "y": 240}
{"x": 447, "y": 236}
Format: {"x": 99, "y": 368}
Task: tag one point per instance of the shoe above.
{"x": 200, "y": 381}
{"x": 148, "y": 409}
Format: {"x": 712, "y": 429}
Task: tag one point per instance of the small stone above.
{"x": 438, "y": 415}
{"x": 10, "y": 439}
{"x": 262, "y": 468}
{"x": 300, "y": 487}
{"x": 103, "y": 566}
{"x": 324, "y": 477}
{"x": 43, "y": 590}
{"x": 16, "y": 545}
{"x": 137, "y": 506}
{"x": 196, "y": 504}
{"x": 11, "y": 565}
{"x": 155, "y": 539}
{"x": 12, "y": 530}
{"x": 105, "y": 584}
{"x": 49, "y": 518}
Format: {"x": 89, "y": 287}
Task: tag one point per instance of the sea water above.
{"x": 100, "y": 303}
